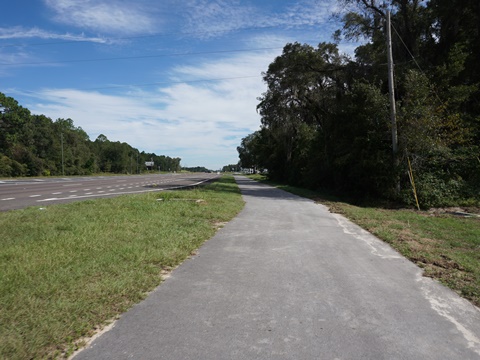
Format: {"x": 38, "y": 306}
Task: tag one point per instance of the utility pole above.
{"x": 391, "y": 91}
{"x": 63, "y": 161}
{"x": 138, "y": 153}
{"x": 391, "y": 85}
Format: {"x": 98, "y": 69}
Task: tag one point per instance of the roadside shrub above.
{"x": 435, "y": 191}
{"x": 9, "y": 167}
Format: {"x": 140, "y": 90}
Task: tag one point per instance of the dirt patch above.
{"x": 455, "y": 211}
{"x": 439, "y": 262}
{"x": 219, "y": 224}
{"x": 82, "y": 343}
{"x": 197, "y": 201}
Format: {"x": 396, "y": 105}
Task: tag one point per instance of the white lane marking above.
{"x": 87, "y": 189}
{"x": 88, "y": 193}
{"x": 99, "y": 188}
{"x": 127, "y": 192}
{"x": 112, "y": 190}
{"x": 72, "y": 191}
{"x": 7, "y": 199}
{"x": 72, "y": 196}
{"x": 56, "y": 193}
{"x": 32, "y": 196}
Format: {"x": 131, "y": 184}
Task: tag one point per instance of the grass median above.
{"x": 66, "y": 269}
{"x": 446, "y": 246}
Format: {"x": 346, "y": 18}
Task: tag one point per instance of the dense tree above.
{"x": 196, "y": 169}
{"x": 32, "y": 145}
{"x": 232, "y": 167}
{"x": 162, "y": 163}
{"x": 325, "y": 118}
{"x": 249, "y": 151}
{"x": 304, "y": 87}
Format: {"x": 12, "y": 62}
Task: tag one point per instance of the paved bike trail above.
{"x": 286, "y": 279}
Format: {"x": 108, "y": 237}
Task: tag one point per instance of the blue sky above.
{"x": 174, "y": 77}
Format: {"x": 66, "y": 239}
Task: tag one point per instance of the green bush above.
{"x": 435, "y": 191}
{"x": 9, "y": 167}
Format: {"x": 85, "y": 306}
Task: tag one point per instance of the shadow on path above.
{"x": 256, "y": 189}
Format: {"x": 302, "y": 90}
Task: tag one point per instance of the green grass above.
{"x": 447, "y": 247}
{"x": 69, "y": 268}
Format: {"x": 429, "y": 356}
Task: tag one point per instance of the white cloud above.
{"x": 109, "y": 16}
{"x": 210, "y": 18}
{"x": 11, "y": 59}
{"x": 19, "y": 32}
{"x": 207, "y": 18}
{"x": 201, "y": 122}
{"x": 17, "y": 55}
{"x": 21, "y": 55}
{"x": 309, "y": 12}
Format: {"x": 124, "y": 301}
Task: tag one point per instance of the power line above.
{"x": 139, "y": 57}
{"x": 416, "y": 63}
{"x": 408, "y": 50}
{"x": 171, "y": 82}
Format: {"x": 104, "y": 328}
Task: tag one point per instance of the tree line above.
{"x": 232, "y": 168}
{"x": 35, "y": 145}
{"x": 195, "y": 169}
{"x": 325, "y": 118}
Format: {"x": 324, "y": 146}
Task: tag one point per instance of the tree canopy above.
{"x": 33, "y": 145}
{"x": 325, "y": 117}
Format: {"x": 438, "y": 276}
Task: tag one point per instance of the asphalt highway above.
{"x": 286, "y": 279}
{"x": 17, "y": 194}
